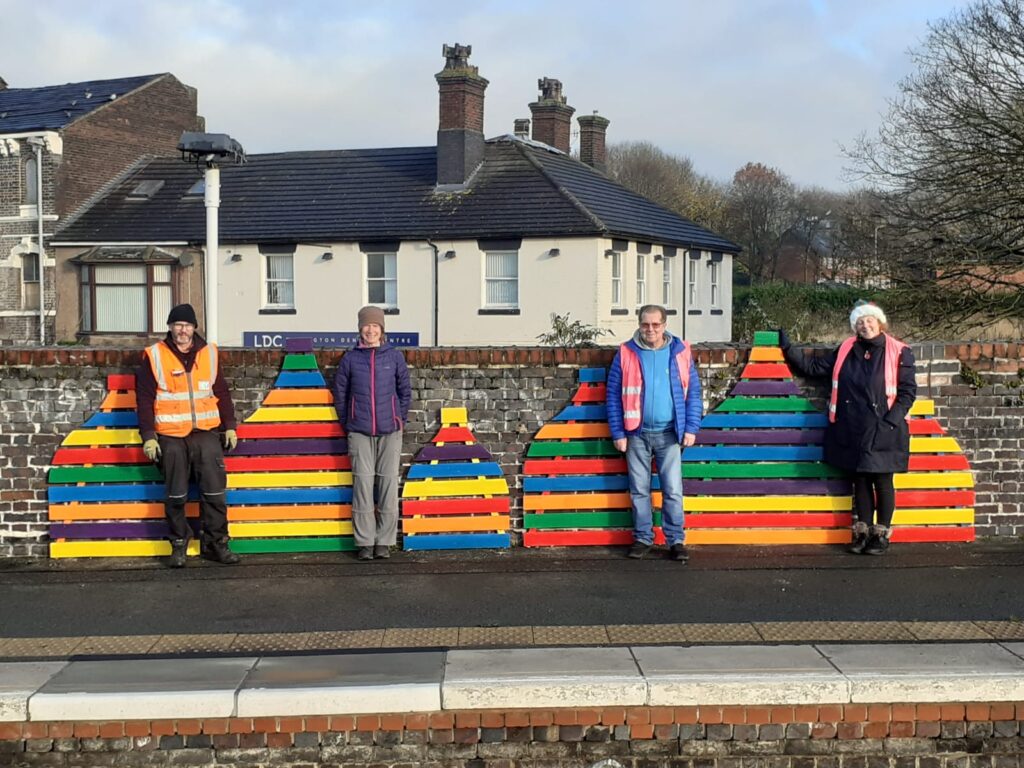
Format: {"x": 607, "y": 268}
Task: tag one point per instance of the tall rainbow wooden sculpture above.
{"x": 456, "y": 496}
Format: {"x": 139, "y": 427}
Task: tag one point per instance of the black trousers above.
{"x": 199, "y": 455}
{"x": 874, "y": 492}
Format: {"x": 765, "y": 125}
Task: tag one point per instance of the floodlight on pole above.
{"x": 209, "y": 149}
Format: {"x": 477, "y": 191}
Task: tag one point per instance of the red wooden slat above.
{"x": 950, "y": 461}
{"x": 912, "y": 499}
{"x": 769, "y": 520}
{"x": 121, "y": 381}
{"x": 305, "y": 429}
{"x": 65, "y": 456}
{"x": 936, "y": 533}
{"x": 285, "y": 463}
{"x": 583, "y": 538}
{"x": 453, "y": 506}
{"x": 574, "y": 466}
{"x": 595, "y": 394}
{"x": 766, "y": 371}
{"x": 925, "y": 427}
{"x": 453, "y": 435}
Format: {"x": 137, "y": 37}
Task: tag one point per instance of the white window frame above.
{"x": 616, "y": 259}
{"x": 692, "y": 293}
{"x": 29, "y": 260}
{"x": 486, "y": 280}
{"x": 90, "y": 311}
{"x": 716, "y": 283}
{"x": 666, "y": 281}
{"x": 641, "y": 279}
{"x": 31, "y": 196}
{"x": 391, "y": 256}
{"x": 266, "y": 280}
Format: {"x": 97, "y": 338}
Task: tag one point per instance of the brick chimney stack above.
{"x": 460, "y": 130}
{"x": 592, "y": 141}
{"x": 552, "y": 117}
{"x": 521, "y": 127}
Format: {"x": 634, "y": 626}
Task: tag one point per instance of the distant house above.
{"x": 469, "y": 242}
{"x": 75, "y": 138}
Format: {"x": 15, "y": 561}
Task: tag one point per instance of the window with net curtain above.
{"x": 382, "y": 279}
{"x": 126, "y": 298}
{"x": 501, "y": 279}
{"x": 280, "y": 280}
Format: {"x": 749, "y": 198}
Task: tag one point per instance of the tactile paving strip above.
{"x": 115, "y": 645}
{"x": 271, "y": 642}
{"x": 640, "y": 634}
{"x": 594, "y": 635}
{"x": 495, "y": 636}
{"x": 1003, "y": 630}
{"x": 946, "y": 630}
{"x": 38, "y": 647}
{"x": 443, "y": 637}
{"x": 344, "y": 639}
{"x": 708, "y": 634}
{"x": 193, "y": 644}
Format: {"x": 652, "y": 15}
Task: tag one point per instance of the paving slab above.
{"x": 542, "y": 677}
{"x": 739, "y": 675}
{"x": 356, "y": 683}
{"x": 933, "y": 672}
{"x": 18, "y": 681}
{"x": 141, "y": 689}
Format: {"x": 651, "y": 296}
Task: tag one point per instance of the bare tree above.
{"x": 948, "y": 162}
{"x": 759, "y": 210}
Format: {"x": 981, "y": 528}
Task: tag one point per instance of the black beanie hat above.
{"x": 183, "y": 313}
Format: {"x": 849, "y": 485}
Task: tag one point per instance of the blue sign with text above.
{"x": 322, "y": 339}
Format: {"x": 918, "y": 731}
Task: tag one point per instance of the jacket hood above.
{"x": 638, "y": 340}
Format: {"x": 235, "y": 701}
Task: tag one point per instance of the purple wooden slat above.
{"x": 143, "y": 529}
{"x": 303, "y": 344}
{"x": 295, "y": 447}
{"x": 765, "y": 388}
{"x": 760, "y": 437}
{"x": 837, "y": 487}
{"x": 431, "y": 452}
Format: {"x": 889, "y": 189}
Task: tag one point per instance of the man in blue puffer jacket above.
{"x": 654, "y": 405}
{"x": 372, "y": 397}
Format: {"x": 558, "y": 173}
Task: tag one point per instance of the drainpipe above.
{"x": 437, "y": 253}
{"x": 37, "y": 142}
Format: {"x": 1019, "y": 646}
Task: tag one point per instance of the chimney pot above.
{"x": 552, "y": 117}
{"x": 460, "y": 136}
{"x": 521, "y": 127}
{"x": 593, "y": 130}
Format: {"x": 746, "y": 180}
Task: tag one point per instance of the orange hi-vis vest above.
{"x": 184, "y": 399}
{"x": 893, "y": 349}
{"x": 633, "y": 383}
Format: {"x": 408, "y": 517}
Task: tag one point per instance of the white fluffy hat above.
{"x": 866, "y": 309}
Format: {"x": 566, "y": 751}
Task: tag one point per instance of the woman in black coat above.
{"x": 867, "y": 434}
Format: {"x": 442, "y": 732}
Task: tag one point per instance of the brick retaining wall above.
{"x": 510, "y": 392}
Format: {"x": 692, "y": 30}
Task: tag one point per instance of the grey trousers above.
{"x": 375, "y": 462}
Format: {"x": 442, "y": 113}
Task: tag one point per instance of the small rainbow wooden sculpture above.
{"x": 289, "y": 479}
{"x": 456, "y": 496}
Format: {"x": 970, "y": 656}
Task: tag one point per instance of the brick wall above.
{"x": 45, "y": 393}
{"x": 904, "y": 735}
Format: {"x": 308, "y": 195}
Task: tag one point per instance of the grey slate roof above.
{"x": 522, "y": 189}
{"x": 52, "y": 107}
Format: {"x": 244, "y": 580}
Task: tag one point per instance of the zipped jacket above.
{"x": 891, "y": 368}
{"x": 371, "y": 390}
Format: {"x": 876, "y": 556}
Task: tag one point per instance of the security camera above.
{"x": 209, "y": 147}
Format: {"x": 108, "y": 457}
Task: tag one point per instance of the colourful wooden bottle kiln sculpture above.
{"x": 456, "y": 496}
{"x": 755, "y": 476}
{"x": 290, "y": 479}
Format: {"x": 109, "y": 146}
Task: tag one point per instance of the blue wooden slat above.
{"x": 760, "y": 420}
{"x": 583, "y": 413}
{"x": 291, "y": 496}
{"x": 755, "y": 453}
{"x": 456, "y": 541}
{"x": 115, "y": 419}
{"x": 140, "y": 492}
{"x": 592, "y": 375}
{"x": 299, "y": 379}
{"x": 578, "y": 483}
{"x": 459, "y": 469}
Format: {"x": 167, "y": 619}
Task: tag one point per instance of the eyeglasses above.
{"x": 181, "y": 326}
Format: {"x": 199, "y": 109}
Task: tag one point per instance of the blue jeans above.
{"x": 664, "y": 448}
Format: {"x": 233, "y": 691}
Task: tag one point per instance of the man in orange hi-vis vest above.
{"x": 185, "y": 413}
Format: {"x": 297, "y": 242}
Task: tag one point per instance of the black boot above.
{"x": 879, "y": 541}
{"x": 860, "y": 538}
{"x": 218, "y": 552}
{"x": 179, "y": 551}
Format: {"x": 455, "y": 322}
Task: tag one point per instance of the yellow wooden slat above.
{"x": 454, "y": 417}
{"x": 274, "y": 530}
{"x": 939, "y": 516}
{"x": 562, "y": 431}
{"x": 288, "y": 479}
{"x": 455, "y": 524}
{"x": 934, "y": 480}
{"x": 103, "y": 437}
{"x": 768, "y": 504}
{"x": 299, "y": 413}
{"x": 59, "y": 549}
{"x": 768, "y": 536}
{"x": 934, "y": 445}
{"x": 766, "y": 355}
{"x": 299, "y": 397}
{"x": 415, "y": 489}
{"x": 923, "y": 408}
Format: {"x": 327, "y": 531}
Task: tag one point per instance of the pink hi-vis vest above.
{"x": 633, "y": 383}
{"x": 893, "y": 349}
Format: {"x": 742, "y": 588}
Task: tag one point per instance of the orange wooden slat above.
{"x": 291, "y": 512}
{"x": 149, "y": 510}
{"x": 115, "y": 400}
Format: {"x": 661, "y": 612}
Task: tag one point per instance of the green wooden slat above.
{"x": 569, "y": 520}
{"x": 574, "y": 448}
{"x": 123, "y": 474}
{"x": 767, "y": 405}
{"x": 766, "y": 338}
{"x": 773, "y": 470}
{"x": 325, "y": 544}
{"x": 296, "y": 362}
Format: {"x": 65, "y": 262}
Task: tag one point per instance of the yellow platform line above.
{"x": 478, "y": 487}
{"x": 288, "y": 479}
{"x": 60, "y": 549}
{"x": 299, "y": 413}
{"x": 273, "y": 530}
{"x": 103, "y": 437}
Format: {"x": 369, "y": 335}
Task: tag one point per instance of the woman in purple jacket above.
{"x": 372, "y": 396}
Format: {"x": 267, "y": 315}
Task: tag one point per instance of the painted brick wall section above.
{"x": 510, "y": 392}
{"x": 814, "y": 736}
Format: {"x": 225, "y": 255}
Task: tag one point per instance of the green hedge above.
{"x": 807, "y": 312}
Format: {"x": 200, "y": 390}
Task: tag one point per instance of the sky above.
{"x": 723, "y": 82}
